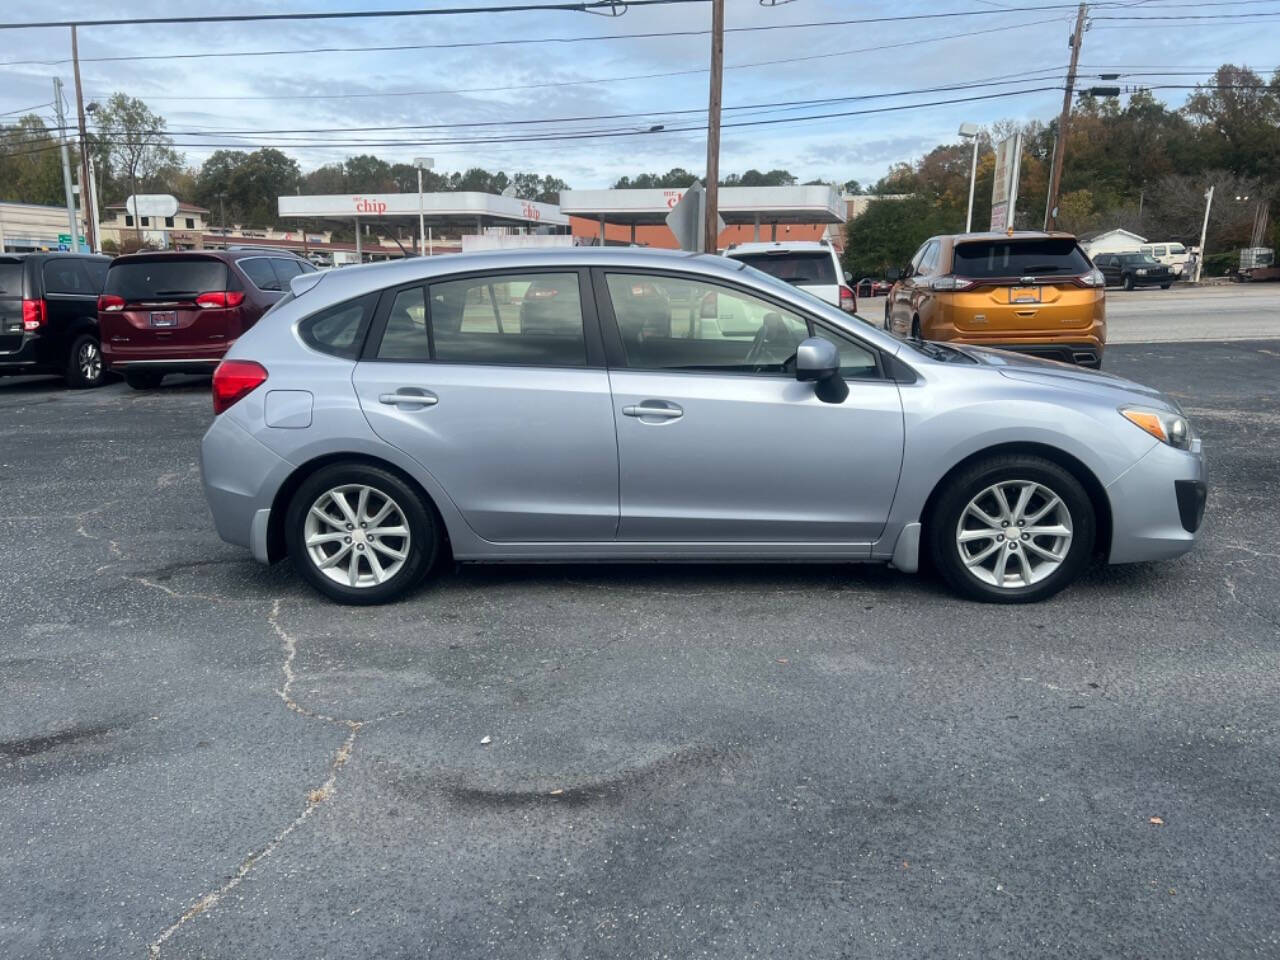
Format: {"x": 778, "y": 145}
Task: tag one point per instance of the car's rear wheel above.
{"x": 143, "y": 379}
{"x": 1166, "y": 286}
{"x": 359, "y": 534}
{"x": 1012, "y": 529}
{"x": 915, "y": 328}
{"x": 84, "y": 363}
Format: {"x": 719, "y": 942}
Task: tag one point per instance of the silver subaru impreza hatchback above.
{"x": 594, "y": 404}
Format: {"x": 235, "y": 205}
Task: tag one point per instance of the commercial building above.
{"x": 29, "y": 227}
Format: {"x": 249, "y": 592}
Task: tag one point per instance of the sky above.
{"x": 497, "y": 88}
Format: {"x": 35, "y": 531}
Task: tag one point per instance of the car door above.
{"x": 71, "y": 302}
{"x": 513, "y": 419}
{"x": 1107, "y": 264}
{"x": 906, "y": 292}
{"x": 717, "y": 440}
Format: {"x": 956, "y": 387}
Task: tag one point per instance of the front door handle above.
{"x": 653, "y": 409}
{"x": 409, "y": 397}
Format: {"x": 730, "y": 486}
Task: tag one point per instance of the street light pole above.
{"x": 969, "y": 131}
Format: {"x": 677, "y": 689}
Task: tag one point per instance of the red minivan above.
{"x": 179, "y": 312}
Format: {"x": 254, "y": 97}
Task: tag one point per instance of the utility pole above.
{"x": 1055, "y": 179}
{"x": 66, "y": 165}
{"x": 86, "y": 196}
{"x": 712, "y": 196}
{"x": 1204, "y": 229}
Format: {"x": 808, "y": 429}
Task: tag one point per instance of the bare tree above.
{"x": 135, "y": 144}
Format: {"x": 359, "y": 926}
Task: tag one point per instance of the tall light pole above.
{"x": 422, "y": 163}
{"x": 969, "y": 131}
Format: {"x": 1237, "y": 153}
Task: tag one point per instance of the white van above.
{"x": 1173, "y": 255}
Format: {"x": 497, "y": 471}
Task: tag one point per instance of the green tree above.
{"x": 888, "y": 232}
{"x": 30, "y": 163}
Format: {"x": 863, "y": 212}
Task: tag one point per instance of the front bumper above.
{"x": 240, "y": 478}
{"x": 1157, "y": 505}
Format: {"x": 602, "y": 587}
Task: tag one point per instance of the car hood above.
{"x": 1018, "y": 366}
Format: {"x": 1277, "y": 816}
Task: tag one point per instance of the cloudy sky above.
{"x": 309, "y": 102}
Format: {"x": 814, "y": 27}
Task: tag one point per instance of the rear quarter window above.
{"x": 166, "y": 279}
{"x": 11, "y": 278}
{"x": 1017, "y": 258}
{"x": 67, "y": 276}
{"x": 339, "y": 330}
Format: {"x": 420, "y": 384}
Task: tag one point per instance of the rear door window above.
{"x": 166, "y": 279}
{"x": 286, "y": 269}
{"x": 97, "y": 270}
{"x": 527, "y": 319}
{"x": 67, "y": 277}
{"x": 1000, "y": 259}
{"x": 798, "y": 267}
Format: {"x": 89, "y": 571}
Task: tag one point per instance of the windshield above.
{"x": 1177, "y": 248}
{"x": 1018, "y": 258}
{"x": 1139, "y": 258}
{"x": 10, "y": 278}
{"x": 794, "y": 266}
{"x": 165, "y": 279}
{"x": 815, "y": 302}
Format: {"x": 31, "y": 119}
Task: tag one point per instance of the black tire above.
{"x": 1127, "y": 283}
{"x": 84, "y": 363}
{"x": 1166, "y": 286}
{"x": 915, "y": 328}
{"x": 948, "y": 511}
{"x": 888, "y": 325}
{"x": 143, "y": 379}
{"x": 424, "y": 536}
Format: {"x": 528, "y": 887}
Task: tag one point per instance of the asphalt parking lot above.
{"x": 201, "y": 758}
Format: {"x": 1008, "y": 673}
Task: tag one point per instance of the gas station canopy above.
{"x": 737, "y": 205}
{"x": 442, "y": 209}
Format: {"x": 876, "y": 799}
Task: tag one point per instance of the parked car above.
{"x": 178, "y": 312}
{"x": 1173, "y": 255}
{"x": 365, "y": 443}
{"x": 1033, "y": 292}
{"x": 814, "y": 267}
{"x": 49, "y": 315}
{"x": 1131, "y": 270}
{"x": 872, "y": 287}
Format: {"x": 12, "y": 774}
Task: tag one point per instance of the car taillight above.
{"x": 34, "y": 314}
{"x": 1093, "y": 278}
{"x": 109, "y": 303}
{"x": 950, "y": 282}
{"x": 848, "y": 302}
{"x": 220, "y": 298}
{"x": 234, "y": 380}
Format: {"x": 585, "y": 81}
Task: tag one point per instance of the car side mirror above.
{"x": 818, "y": 362}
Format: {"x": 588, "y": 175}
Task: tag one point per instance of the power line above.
{"x": 590, "y": 6}
{"x": 598, "y": 80}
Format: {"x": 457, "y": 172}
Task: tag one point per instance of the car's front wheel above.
{"x": 359, "y": 534}
{"x": 1012, "y": 529}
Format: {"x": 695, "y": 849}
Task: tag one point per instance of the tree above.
{"x": 136, "y": 152}
{"x": 677, "y": 178}
{"x": 888, "y": 232}
{"x": 30, "y": 164}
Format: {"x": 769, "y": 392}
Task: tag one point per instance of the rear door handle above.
{"x": 655, "y": 409}
{"x": 409, "y": 397}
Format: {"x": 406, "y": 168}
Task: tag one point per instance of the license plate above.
{"x": 1024, "y": 294}
{"x": 164, "y": 318}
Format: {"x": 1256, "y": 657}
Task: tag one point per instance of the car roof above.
{"x": 776, "y": 246}
{"x": 1007, "y": 235}
{"x": 226, "y": 256}
{"x": 52, "y": 255}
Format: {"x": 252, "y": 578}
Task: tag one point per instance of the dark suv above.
{"x": 49, "y": 315}
{"x": 180, "y": 312}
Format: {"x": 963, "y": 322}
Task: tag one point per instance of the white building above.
{"x": 1111, "y": 241}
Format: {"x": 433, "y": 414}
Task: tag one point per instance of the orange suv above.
{"x": 1032, "y": 292}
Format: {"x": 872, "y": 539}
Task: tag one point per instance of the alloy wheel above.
{"x": 1014, "y": 533}
{"x": 357, "y": 535}
{"x": 89, "y": 361}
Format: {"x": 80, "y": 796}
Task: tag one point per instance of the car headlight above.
{"x": 1142, "y": 271}
{"x": 1167, "y": 427}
